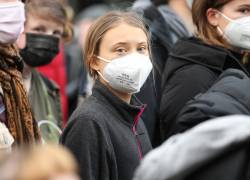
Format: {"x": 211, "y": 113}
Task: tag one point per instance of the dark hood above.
{"x": 214, "y": 57}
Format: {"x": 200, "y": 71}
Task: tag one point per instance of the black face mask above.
{"x": 40, "y": 49}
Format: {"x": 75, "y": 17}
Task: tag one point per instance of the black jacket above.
{"x": 229, "y": 95}
{"x": 192, "y": 68}
{"x": 163, "y": 36}
{"x": 106, "y": 136}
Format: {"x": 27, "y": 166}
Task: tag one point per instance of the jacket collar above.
{"x": 128, "y": 112}
{"x": 51, "y": 87}
{"x": 214, "y": 57}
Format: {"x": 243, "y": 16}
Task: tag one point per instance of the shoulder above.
{"x": 191, "y": 73}
{"x": 89, "y": 112}
{"x": 86, "y": 124}
{"x": 190, "y": 54}
{"x": 195, "y": 71}
{"x": 184, "y": 84}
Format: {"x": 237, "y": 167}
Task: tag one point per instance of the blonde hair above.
{"x": 101, "y": 26}
{"x": 205, "y": 31}
{"x": 40, "y": 162}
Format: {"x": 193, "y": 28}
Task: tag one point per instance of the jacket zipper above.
{"x": 136, "y": 121}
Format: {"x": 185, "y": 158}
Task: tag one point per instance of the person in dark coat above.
{"x": 195, "y": 63}
{"x": 166, "y": 24}
{"x": 106, "y": 133}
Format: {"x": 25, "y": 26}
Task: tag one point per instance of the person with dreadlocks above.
{"x": 15, "y": 110}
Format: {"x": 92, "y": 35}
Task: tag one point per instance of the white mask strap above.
{"x": 226, "y": 17}
{"x": 103, "y": 59}
{"x": 100, "y": 74}
{"x": 220, "y": 31}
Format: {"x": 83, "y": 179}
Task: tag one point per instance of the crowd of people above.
{"x": 158, "y": 91}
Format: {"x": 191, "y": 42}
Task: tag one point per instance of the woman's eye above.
{"x": 142, "y": 49}
{"x": 245, "y": 11}
{"x": 121, "y": 50}
{"x": 39, "y": 29}
{"x": 57, "y": 34}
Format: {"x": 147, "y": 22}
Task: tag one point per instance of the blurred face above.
{"x": 40, "y": 26}
{"x": 120, "y": 41}
{"x": 234, "y": 9}
{"x": 11, "y": 20}
{"x": 43, "y": 26}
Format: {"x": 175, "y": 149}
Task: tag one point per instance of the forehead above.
{"x": 32, "y": 21}
{"x": 124, "y": 33}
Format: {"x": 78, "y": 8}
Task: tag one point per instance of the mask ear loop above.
{"x": 226, "y": 17}
{"x": 220, "y": 31}
{"x": 218, "y": 27}
{"x": 103, "y": 59}
{"x": 99, "y": 73}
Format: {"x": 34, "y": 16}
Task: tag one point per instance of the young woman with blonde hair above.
{"x": 106, "y": 133}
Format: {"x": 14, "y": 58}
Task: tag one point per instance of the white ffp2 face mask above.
{"x": 12, "y": 18}
{"x": 127, "y": 74}
{"x": 237, "y": 32}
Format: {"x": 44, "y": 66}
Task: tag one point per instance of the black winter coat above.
{"x": 192, "y": 68}
{"x": 107, "y": 136}
{"x": 228, "y": 96}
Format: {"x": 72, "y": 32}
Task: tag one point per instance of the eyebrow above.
{"x": 120, "y": 43}
{"x": 143, "y": 43}
{"x": 125, "y": 43}
{"x": 244, "y": 6}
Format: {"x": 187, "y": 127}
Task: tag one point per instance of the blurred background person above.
{"x": 168, "y": 21}
{"x": 40, "y": 162}
{"x": 56, "y": 70}
{"x": 15, "y": 110}
{"x": 117, "y": 55}
{"x": 46, "y": 25}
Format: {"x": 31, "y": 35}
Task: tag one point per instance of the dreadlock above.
{"x": 20, "y": 121}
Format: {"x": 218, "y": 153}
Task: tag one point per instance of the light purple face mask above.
{"x": 12, "y": 18}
